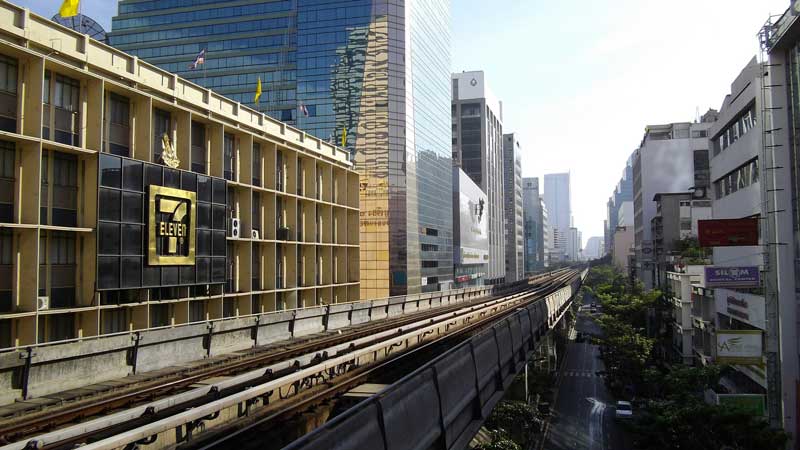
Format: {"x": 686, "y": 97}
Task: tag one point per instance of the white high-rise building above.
{"x": 478, "y": 151}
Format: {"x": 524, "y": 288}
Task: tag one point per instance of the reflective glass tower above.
{"x": 372, "y": 74}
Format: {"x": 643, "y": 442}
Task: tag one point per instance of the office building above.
{"x": 341, "y": 71}
{"x": 478, "y": 150}
{"x": 512, "y": 195}
{"x": 780, "y": 168}
{"x": 558, "y": 197}
{"x": 623, "y": 248}
{"x": 536, "y": 227}
{"x": 574, "y": 245}
{"x": 132, "y": 198}
{"x": 621, "y": 197}
{"x": 676, "y": 220}
{"x": 471, "y": 243}
{"x": 671, "y": 158}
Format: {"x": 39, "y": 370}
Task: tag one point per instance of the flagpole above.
{"x": 80, "y": 16}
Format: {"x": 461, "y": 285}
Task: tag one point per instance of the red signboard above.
{"x": 728, "y": 232}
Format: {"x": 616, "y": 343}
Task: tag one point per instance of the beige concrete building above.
{"x": 131, "y": 198}
{"x": 623, "y": 247}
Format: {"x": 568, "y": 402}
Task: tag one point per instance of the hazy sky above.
{"x": 581, "y": 80}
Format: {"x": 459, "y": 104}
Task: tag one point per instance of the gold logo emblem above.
{"x": 168, "y": 153}
{"x": 171, "y": 235}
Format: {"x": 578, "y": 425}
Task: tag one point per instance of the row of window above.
{"x": 193, "y": 49}
{"x": 274, "y": 58}
{"x": 335, "y": 13}
{"x": 204, "y": 14}
{"x": 200, "y": 31}
{"x": 125, "y": 7}
{"x": 738, "y": 179}
{"x": 738, "y": 128}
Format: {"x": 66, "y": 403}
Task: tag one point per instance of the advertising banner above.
{"x": 473, "y": 222}
{"x": 739, "y": 346}
{"x": 728, "y": 232}
{"x": 744, "y": 307}
{"x": 740, "y": 276}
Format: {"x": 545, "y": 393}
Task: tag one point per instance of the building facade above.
{"x": 676, "y": 220}
{"x": 477, "y": 131}
{"x": 558, "y": 198}
{"x": 535, "y": 224}
{"x": 149, "y": 201}
{"x": 671, "y": 158}
{"x": 574, "y": 245}
{"x": 622, "y": 196}
{"x": 513, "y": 205}
{"x": 342, "y": 71}
{"x": 471, "y": 243}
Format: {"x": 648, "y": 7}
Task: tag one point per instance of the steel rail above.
{"x": 153, "y": 408}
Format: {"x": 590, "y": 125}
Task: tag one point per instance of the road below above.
{"x": 583, "y": 415}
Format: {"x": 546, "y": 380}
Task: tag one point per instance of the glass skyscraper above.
{"x": 374, "y": 74}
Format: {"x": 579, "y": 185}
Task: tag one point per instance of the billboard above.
{"x": 740, "y": 276}
{"x": 728, "y": 232}
{"x": 739, "y": 346}
{"x": 743, "y": 307}
{"x": 473, "y": 214}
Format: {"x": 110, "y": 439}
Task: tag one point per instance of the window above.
{"x": 256, "y": 213}
{"x": 117, "y": 123}
{"x": 59, "y": 206}
{"x": 115, "y": 321}
{"x": 61, "y": 104}
{"x": 735, "y": 130}
{"x": 57, "y": 264}
{"x": 230, "y": 156}
{"x": 160, "y": 315}
{"x": 56, "y": 327}
{"x": 8, "y": 94}
{"x": 280, "y": 173}
{"x": 738, "y": 179}
{"x": 198, "y": 147}
{"x": 6, "y": 269}
{"x": 256, "y": 164}
{"x": 256, "y": 270}
{"x": 161, "y": 126}
{"x": 7, "y": 169}
{"x": 197, "y": 311}
{"x": 699, "y": 133}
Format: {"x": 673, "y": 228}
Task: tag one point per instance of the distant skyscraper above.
{"x": 478, "y": 150}
{"x": 340, "y": 70}
{"x": 622, "y": 193}
{"x": 535, "y": 224}
{"x": 512, "y": 194}
{"x": 558, "y": 198}
{"x": 594, "y": 248}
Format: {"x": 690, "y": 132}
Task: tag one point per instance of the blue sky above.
{"x": 581, "y": 80}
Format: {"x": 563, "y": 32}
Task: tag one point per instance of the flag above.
{"x": 344, "y": 136}
{"x": 303, "y": 109}
{"x": 69, "y": 8}
{"x": 258, "y": 91}
{"x": 200, "y": 59}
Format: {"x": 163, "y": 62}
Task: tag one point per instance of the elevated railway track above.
{"x": 215, "y": 407}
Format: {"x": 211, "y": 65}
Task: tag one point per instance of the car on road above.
{"x": 624, "y": 410}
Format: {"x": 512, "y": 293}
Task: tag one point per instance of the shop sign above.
{"x": 728, "y": 232}
{"x": 171, "y": 227}
{"x": 741, "y": 306}
{"x": 739, "y": 346}
{"x": 740, "y": 276}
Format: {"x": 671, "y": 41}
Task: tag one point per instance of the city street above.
{"x": 583, "y": 416}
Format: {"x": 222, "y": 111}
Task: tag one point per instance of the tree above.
{"x": 500, "y": 441}
{"x": 517, "y": 418}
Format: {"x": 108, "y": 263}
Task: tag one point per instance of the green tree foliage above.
{"x": 677, "y": 416}
{"x": 500, "y": 441}
{"x": 517, "y": 418}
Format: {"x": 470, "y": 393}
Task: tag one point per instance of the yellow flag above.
{"x": 344, "y": 136}
{"x": 258, "y": 91}
{"x": 69, "y": 8}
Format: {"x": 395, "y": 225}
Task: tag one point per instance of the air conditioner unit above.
{"x": 254, "y": 234}
{"x": 43, "y": 303}
{"x": 234, "y": 228}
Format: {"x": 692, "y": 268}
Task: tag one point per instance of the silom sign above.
{"x": 171, "y": 227}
